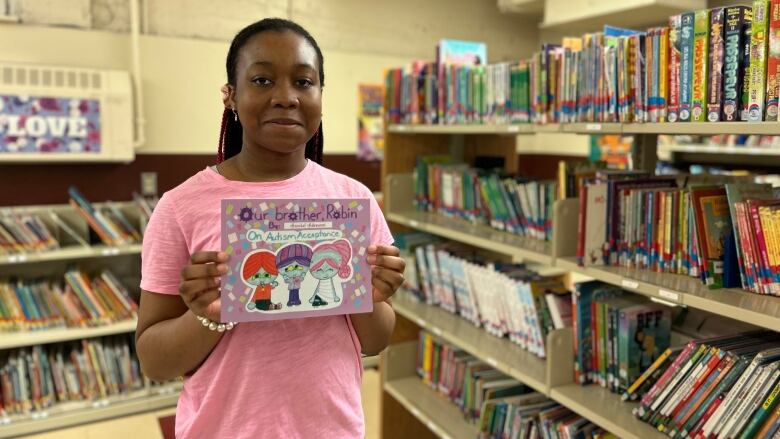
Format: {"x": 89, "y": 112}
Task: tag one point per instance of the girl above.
{"x": 257, "y": 379}
{"x": 329, "y": 259}
{"x": 260, "y": 271}
{"x": 293, "y": 261}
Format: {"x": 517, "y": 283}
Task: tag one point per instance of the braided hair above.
{"x": 231, "y": 132}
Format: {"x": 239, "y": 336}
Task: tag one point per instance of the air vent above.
{"x": 81, "y": 79}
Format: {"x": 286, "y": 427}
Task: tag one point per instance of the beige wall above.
{"x": 184, "y": 53}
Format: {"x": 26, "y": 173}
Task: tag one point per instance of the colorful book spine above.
{"x": 747, "y": 31}
{"x": 733, "y": 71}
{"x": 686, "y": 65}
{"x": 773, "y": 62}
{"x": 701, "y": 33}
{"x": 663, "y": 75}
{"x": 716, "y": 60}
{"x": 758, "y": 46}
{"x": 674, "y": 68}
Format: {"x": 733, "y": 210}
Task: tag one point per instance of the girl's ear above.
{"x": 228, "y": 96}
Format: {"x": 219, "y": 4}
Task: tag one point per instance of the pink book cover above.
{"x": 293, "y": 258}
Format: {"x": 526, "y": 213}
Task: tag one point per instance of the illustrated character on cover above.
{"x": 293, "y": 262}
{"x": 259, "y": 271}
{"x": 328, "y": 260}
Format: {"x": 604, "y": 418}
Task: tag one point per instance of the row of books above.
{"x": 723, "y": 140}
{"x": 724, "y": 387}
{"x": 24, "y": 233}
{"x": 109, "y": 223}
{"x": 34, "y": 379}
{"x": 499, "y": 405}
{"x": 722, "y": 232}
{"x": 513, "y": 204}
{"x": 617, "y": 335}
{"x": 506, "y": 299}
{"x": 712, "y": 65}
{"x": 79, "y": 300}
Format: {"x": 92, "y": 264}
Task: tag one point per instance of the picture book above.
{"x": 701, "y": 43}
{"x": 713, "y": 222}
{"x": 758, "y": 47}
{"x": 733, "y": 70}
{"x": 291, "y": 258}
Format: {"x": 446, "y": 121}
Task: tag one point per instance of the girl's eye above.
{"x": 305, "y": 83}
{"x": 261, "y": 81}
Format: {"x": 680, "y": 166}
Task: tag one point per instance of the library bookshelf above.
{"x": 553, "y": 375}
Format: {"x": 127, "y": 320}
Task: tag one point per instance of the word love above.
{"x": 44, "y": 126}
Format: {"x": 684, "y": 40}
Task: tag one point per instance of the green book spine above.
{"x": 758, "y": 47}
{"x": 701, "y": 45}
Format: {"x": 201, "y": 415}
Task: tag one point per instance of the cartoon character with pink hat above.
{"x": 328, "y": 260}
{"x": 293, "y": 262}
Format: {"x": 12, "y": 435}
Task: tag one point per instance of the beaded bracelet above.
{"x": 214, "y": 326}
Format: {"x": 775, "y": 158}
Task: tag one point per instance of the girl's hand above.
{"x": 199, "y": 287}
{"x": 387, "y": 273}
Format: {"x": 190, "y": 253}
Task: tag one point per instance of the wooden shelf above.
{"x": 81, "y": 412}
{"x": 720, "y": 149}
{"x": 604, "y": 409}
{"x": 9, "y": 340}
{"x": 480, "y": 236}
{"x": 520, "y": 128}
{"x": 70, "y": 253}
{"x": 438, "y": 413}
{"x": 498, "y": 352}
{"x": 755, "y": 309}
{"x": 682, "y": 128}
{"x": 703, "y": 128}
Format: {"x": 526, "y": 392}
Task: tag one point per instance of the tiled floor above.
{"x": 145, "y": 425}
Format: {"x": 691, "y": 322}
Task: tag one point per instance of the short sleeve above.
{"x": 380, "y": 232}
{"x": 165, "y": 250}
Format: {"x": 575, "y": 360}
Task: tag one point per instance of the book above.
{"x": 292, "y": 258}
{"x": 773, "y": 62}
{"x": 733, "y": 70}
{"x": 687, "y": 65}
{"x": 716, "y": 64}
{"x": 758, "y": 59}
{"x": 699, "y": 80}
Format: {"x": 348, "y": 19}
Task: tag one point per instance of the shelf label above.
{"x": 40, "y": 415}
{"x": 12, "y": 259}
{"x": 630, "y": 284}
{"x": 513, "y": 129}
{"x": 415, "y": 412}
{"x": 5, "y": 421}
{"x": 671, "y": 295}
{"x": 414, "y": 223}
{"x": 421, "y": 322}
{"x": 492, "y": 361}
{"x": 111, "y": 251}
{"x": 592, "y": 127}
{"x": 433, "y": 427}
{"x": 21, "y": 258}
{"x": 436, "y": 331}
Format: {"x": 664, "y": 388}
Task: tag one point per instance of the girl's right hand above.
{"x": 199, "y": 287}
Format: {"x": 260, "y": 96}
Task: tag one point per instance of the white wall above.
{"x": 183, "y": 54}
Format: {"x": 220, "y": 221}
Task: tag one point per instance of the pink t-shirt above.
{"x": 297, "y": 378}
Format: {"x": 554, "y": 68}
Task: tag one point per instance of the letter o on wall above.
{"x": 35, "y": 126}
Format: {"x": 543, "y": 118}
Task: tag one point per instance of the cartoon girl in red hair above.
{"x": 328, "y": 260}
{"x": 259, "y": 271}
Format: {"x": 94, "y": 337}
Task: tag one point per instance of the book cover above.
{"x": 713, "y": 222}
{"x": 686, "y": 65}
{"x": 733, "y": 70}
{"x": 292, "y": 258}
{"x": 716, "y": 61}
{"x": 701, "y": 33}
{"x": 758, "y": 47}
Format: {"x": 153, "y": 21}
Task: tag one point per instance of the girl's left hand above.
{"x": 387, "y": 271}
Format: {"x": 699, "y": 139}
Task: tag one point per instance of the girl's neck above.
{"x": 256, "y": 165}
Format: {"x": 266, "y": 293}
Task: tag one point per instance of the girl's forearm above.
{"x": 175, "y": 347}
{"x": 374, "y": 329}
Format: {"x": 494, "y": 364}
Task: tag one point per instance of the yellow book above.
{"x": 663, "y": 88}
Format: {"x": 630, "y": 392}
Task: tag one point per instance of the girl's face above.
{"x": 325, "y": 271}
{"x": 278, "y": 95}
{"x": 261, "y": 278}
